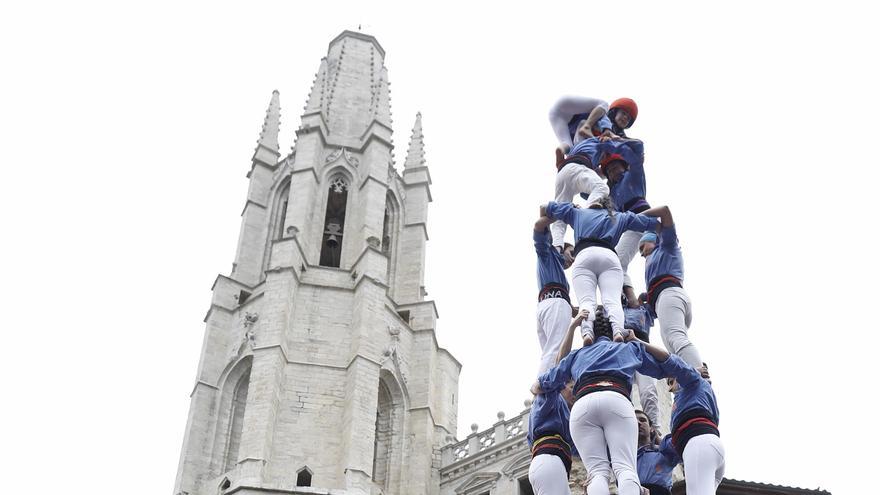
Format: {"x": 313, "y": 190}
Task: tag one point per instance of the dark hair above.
{"x": 601, "y": 325}
{"x": 607, "y": 203}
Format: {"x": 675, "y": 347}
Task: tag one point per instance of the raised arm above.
{"x": 658, "y": 353}
{"x": 594, "y": 118}
{"x": 559, "y": 211}
{"x": 663, "y": 212}
{"x": 565, "y": 348}
{"x": 542, "y": 223}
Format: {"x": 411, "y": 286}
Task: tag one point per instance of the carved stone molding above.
{"x": 345, "y": 153}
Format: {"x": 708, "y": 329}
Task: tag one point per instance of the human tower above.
{"x": 583, "y": 405}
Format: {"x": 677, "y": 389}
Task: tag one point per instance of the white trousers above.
{"x": 574, "y": 179}
{"x": 648, "y": 397}
{"x": 626, "y": 248}
{"x": 547, "y": 475}
{"x": 703, "y": 459}
{"x": 597, "y": 266}
{"x": 673, "y": 310}
{"x": 554, "y": 316}
{"x": 602, "y": 423}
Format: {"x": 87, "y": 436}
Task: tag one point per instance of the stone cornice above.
{"x": 203, "y": 384}
{"x": 369, "y": 178}
{"x": 360, "y": 36}
{"x": 250, "y": 202}
{"x": 424, "y": 226}
{"x": 215, "y": 307}
{"x": 234, "y": 282}
{"x": 431, "y": 415}
{"x": 307, "y": 169}
{"x": 255, "y": 163}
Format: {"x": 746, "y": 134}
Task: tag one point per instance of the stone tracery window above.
{"x": 383, "y": 443}
{"x": 236, "y": 419}
{"x": 334, "y": 222}
{"x": 281, "y": 212}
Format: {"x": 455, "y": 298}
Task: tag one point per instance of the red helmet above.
{"x": 612, "y": 157}
{"x": 626, "y": 104}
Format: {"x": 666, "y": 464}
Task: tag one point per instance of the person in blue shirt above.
{"x": 694, "y": 430}
{"x": 664, "y": 279}
{"x": 575, "y": 175}
{"x": 639, "y": 320}
{"x": 623, "y": 163}
{"x": 597, "y": 230}
{"x": 549, "y": 436}
{"x": 602, "y": 421}
{"x": 655, "y": 459}
{"x": 554, "y": 304}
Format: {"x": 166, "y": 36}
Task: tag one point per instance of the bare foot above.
{"x": 560, "y": 157}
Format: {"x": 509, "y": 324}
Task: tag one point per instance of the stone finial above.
{"x": 527, "y": 403}
{"x": 383, "y": 98}
{"x": 474, "y": 428}
{"x": 271, "y": 124}
{"x": 415, "y": 155}
{"x": 319, "y": 87}
{"x": 500, "y": 415}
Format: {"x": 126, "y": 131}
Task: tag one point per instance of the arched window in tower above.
{"x": 384, "y": 435}
{"x": 388, "y": 224}
{"x": 334, "y": 222}
{"x": 236, "y": 419}
{"x": 281, "y": 211}
{"x": 389, "y": 235}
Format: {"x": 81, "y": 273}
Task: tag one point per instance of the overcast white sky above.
{"x": 127, "y": 132}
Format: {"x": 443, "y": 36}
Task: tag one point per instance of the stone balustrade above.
{"x": 479, "y": 441}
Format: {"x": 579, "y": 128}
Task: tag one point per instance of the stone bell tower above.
{"x": 320, "y": 366}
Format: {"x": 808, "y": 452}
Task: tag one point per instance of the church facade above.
{"x": 320, "y": 371}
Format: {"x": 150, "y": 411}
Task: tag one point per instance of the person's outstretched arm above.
{"x": 662, "y": 212}
{"x": 565, "y": 348}
{"x": 658, "y": 353}
{"x": 542, "y": 223}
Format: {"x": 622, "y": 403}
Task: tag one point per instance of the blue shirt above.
{"x": 631, "y": 184}
{"x": 549, "y": 416}
{"x": 596, "y": 223}
{"x": 603, "y": 124}
{"x": 666, "y": 258}
{"x": 694, "y": 392}
{"x": 638, "y": 319}
{"x": 603, "y": 357}
{"x": 655, "y": 465}
{"x": 550, "y": 262}
{"x": 588, "y": 147}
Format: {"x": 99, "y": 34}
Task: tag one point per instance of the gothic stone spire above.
{"x": 351, "y": 88}
{"x": 415, "y": 155}
{"x": 267, "y": 146}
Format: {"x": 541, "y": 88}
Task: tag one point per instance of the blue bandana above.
{"x": 648, "y": 237}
